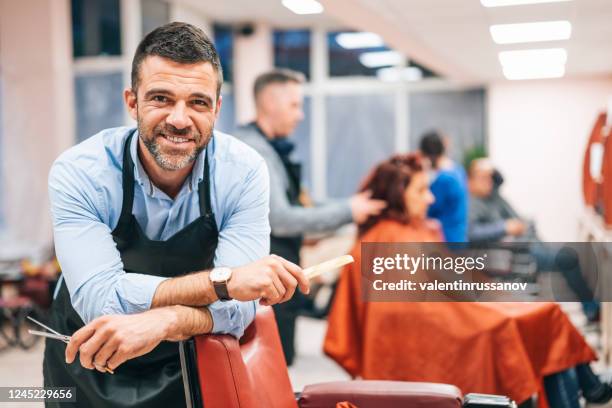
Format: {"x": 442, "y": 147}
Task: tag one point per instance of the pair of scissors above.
{"x": 54, "y": 335}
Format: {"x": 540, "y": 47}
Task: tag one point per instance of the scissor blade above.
{"x": 59, "y": 337}
{"x": 44, "y": 326}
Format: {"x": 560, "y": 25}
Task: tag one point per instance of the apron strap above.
{"x": 128, "y": 183}
{"x": 204, "y": 189}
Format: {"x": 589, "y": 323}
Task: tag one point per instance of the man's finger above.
{"x": 119, "y": 357}
{"x": 297, "y": 273}
{"x": 78, "y": 338}
{"x": 89, "y": 348}
{"x": 279, "y": 288}
{"x": 289, "y": 282}
{"x": 378, "y": 205}
{"x": 104, "y": 354}
{"x": 269, "y": 295}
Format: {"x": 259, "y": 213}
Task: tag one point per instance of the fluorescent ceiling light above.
{"x": 392, "y": 74}
{"x": 381, "y": 58}
{"x": 503, "y": 3}
{"x": 531, "y": 32}
{"x": 303, "y": 6}
{"x": 352, "y": 41}
{"x": 517, "y": 73}
{"x": 532, "y": 64}
{"x": 547, "y": 56}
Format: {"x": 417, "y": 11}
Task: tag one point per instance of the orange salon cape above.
{"x": 495, "y": 348}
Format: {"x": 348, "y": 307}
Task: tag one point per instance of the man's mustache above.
{"x": 173, "y": 131}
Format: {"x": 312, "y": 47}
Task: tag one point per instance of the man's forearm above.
{"x": 194, "y": 289}
{"x": 185, "y": 322}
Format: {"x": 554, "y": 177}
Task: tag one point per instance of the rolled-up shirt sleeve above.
{"x": 243, "y": 238}
{"x": 90, "y": 262}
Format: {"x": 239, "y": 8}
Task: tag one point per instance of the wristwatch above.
{"x": 219, "y": 278}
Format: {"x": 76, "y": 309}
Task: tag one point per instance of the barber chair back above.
{"x": 249, "y": 374}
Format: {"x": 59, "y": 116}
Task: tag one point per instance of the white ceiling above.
{"x": 269, "y": 11}
{"x": 450, "y": 36}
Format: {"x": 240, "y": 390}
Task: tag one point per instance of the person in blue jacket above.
{"x": 449, "y": 187}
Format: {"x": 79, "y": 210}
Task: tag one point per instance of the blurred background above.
{"x": 379, "y": 74}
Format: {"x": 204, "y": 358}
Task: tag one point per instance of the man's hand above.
{"x": 362, "y": 206}
{"x": 515, "y": 227}
{"x": 273, "y": 279}
{"x": 109, "y": 341}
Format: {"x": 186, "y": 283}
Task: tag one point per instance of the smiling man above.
{"x": 162, "y": 233}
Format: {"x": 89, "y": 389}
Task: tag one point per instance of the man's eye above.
{"x": 160, "y": 98}
{"x": 200, "y": 102}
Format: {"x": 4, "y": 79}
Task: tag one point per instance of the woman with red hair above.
{"x": 513, "y": 349}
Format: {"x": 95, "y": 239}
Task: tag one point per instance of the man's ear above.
{"x": 218, "y": 108}
{"x": 129, "y": 97}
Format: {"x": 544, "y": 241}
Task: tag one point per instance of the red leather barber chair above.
{"x": 220, "y": 372}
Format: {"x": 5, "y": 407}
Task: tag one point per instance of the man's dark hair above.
{"x": 432, "y": 146}
{"x": 277, "y": 76}
{"x": 179, "y": 42}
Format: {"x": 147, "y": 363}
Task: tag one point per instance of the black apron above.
{"x": 152, "y": 380}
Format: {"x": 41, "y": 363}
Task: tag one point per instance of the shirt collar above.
{"x": 142, "y": 178}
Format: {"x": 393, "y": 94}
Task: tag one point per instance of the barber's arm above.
{"x": 287, "y": 220}
{"x": 109, "y": 341}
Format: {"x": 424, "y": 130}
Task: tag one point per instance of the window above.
{"x": 365, "y": 54}
{"x": 460, "y": 115}
{"x": 346, "y": 61}
{"x": 96, "y": 27}
{"x": 224, "y": 42}
{"x": 98, "y": 102}
{"x": 292, "y": 50}
{"x": 360, "y": 128}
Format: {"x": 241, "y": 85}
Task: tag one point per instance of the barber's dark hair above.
{"x": 432, "y": 146}
{"x": 179, "y": 42}
{"x": 388, "y": 182}
{"x": 277, "y": 76}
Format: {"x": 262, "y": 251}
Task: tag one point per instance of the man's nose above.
{"x": 179, "y": 117}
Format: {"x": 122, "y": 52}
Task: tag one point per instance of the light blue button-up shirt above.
{"x": 86, "y": 194}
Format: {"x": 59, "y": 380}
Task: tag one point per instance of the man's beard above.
{"x": 168, "y": 160}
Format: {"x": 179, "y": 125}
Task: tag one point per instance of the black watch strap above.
{"x": 221, "y": 290}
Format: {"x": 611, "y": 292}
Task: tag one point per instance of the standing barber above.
{"x": 141, "y": 216}
{"x": 278, "y": 101}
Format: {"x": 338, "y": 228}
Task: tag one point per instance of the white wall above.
{"x": 37, "y": 108}
{"x": 253, "y": 55}
{"x": 537, "y": 136}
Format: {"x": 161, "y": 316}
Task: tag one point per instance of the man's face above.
{"x": 282, "y": 106}
{"x": 176, "y": 107}
{"x": 481, "y": 182}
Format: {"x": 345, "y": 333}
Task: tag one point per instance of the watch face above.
{"x": 220, "y": 274}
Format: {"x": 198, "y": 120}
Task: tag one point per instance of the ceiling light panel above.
{"x": 504, "y": 3}
{"x": 533, "y": 64}
{"x": 381, "y": 59}
{"x": 358, "y": 40}
{"x": 531, "y": 32}
{"x": 303, "y": 6}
